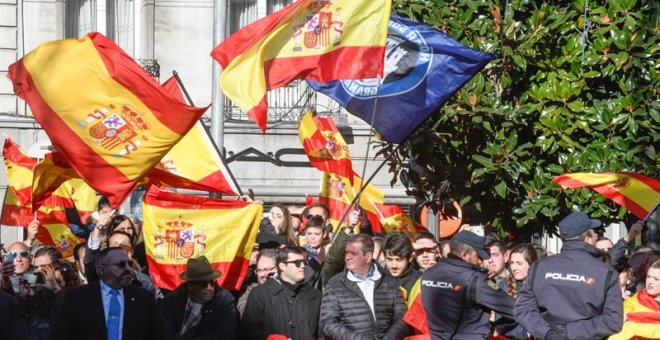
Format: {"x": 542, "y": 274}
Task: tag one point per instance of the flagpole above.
{"x": 218, "y": 98}
{"x": 222, "y": 156}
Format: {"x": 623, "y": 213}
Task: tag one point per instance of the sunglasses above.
{"x": 121, "y": 264}
{"x": 426, "y": 250}
{"x": 297, "y": 263}
{"x": 24, "y": 254}
{"x": 200, "y": 284}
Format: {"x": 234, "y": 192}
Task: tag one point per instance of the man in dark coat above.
{"x": 284, "y": 305}
{"x": 110, "y": 308}
{"x": 199, "y": 308}
{"x": 361, "y": 302}
{"x": 12, "y": 321}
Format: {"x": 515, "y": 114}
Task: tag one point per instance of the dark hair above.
{"x": 268, "y": 252}
{"x": 119, "y": 232}
{"x": 603, "y": 238}
{"x": 397, "y": 244}
{"x": 119, "y": 219}
{"x": 316, "y": 222}
{"x": 283, "y": 255}
{"x": 52, "y": 252}
{"x": 367, "y": 244}
{"x": 457, "y": 247}
{"x": 103, "y": 202}
{"x": 425, "y": 235}
{"x": 604, "y": 257}
{"x": 77, "y": 248}
{"x": 530, "y": 255}
{"x": 322, "y": 206}
{"x": 494, "y": 240}
{"x": 541, "y": 252}
{"x": 286, "y": 228}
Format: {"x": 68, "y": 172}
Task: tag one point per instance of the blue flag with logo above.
{"x": 423, "y": 67}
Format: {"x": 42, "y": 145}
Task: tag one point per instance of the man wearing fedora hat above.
{"x": 456, "y": 293}
{"x": 199, "y": 308}
{"x": 572, "y": 295}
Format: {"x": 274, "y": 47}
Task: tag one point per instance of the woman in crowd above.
{"x": 278, "y": 222}
{"x": 521, "y": 257}
{"x": 642, "y": 310}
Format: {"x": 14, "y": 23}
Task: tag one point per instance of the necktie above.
{"x": 114, "y": 312}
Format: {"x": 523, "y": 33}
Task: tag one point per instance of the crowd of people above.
{"x": 308, "y": 281}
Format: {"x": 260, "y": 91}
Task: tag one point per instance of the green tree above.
{"x": 573, "y": 88}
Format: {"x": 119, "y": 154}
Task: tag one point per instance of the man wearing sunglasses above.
{"x": 284, "y": 305}
{"x": 110, "y": 308}
{"x": 21, "y": 264}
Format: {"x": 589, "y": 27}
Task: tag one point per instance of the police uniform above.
{"x": 572, "y": 294}
{"x": 458, "y": 297}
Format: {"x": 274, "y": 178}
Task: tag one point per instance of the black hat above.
{"x": 575, "y": 224}
{"x": 477, "y": 242}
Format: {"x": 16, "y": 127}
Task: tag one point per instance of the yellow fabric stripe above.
{"x": 18, "y": 176}
{"x": 307, "y": 127}
{"x": 630, "y": 187}
{"x": 193, "y": 157}
{"x": 73, "y": 80}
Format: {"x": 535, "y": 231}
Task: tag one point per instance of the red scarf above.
{"x": 646, "y": 300}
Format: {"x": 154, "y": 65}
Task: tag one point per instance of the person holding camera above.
{"x": 16, "y": 262}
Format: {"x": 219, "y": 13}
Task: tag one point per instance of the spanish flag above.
{"x": 325, "y": 146}
{"x": 14, "y": 212}
{"x": 337, "y": 193}
{"x": 309, "y": 39}
{"x": 204, "y": 169}
{"x": 394, "y": 219}
{"x": 54, "y": 229}
{"x": 416, "y": 315}
{"x": 637, "y": 193}
{"x": 178, "y": 227}
{"x": 49, "y": 174}
{"x": 19, "y": 167}
{"x": 106, "y": 115}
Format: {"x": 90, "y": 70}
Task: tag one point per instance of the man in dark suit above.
{"x": 109, "y": 309}
{"x": 12, "y": 320}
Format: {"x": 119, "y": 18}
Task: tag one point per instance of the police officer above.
{"x": 457, "y": 295}
{"x": 572, "y": 295}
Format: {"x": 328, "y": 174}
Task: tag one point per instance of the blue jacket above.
{"x": 574, "y": 290}
{"x": 452, "y": 286}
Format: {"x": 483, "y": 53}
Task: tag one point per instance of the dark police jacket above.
{"x": 573, "y": 289}
{"x": 458, "y": 298}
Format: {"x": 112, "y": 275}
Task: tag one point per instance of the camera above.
{"x": 33, "y": 278}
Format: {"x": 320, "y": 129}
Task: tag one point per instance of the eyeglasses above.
{"x": 24, "y": 254}
{"x": 200, "y": 284}
{"x": 426, "y": 250}
{"x": 297, "y": 263}
{"x": 264, "y": 270}
{"x": 121, "y": 264}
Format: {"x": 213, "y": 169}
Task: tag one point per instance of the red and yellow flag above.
{"x": 394, "y": 219}
{"x": 309, "y": 39}
{"x": 19, "y": 167}
{"x": 416, "y": 315}
{"x": 637, "y": 193}
{"x": 204, "y": 169}
{"x": 54, "y": 229}
{"x": 106, "y": 115}
{"x": 324, "y": 145}
{"x": 14, "y": 212}
{"x": 49, "y": 174}
{"x": 337, "y": 193}
{"x": 178, "y": 227}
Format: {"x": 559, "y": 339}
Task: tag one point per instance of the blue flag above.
{"x": 423, "y": 67}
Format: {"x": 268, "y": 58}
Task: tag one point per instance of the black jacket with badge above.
{"x": 574, "y": 290}
{"x": 458, "y": 298}
{"x": 278, "y": 308}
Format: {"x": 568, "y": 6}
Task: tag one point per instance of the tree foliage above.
{"x": 567, "y": 92}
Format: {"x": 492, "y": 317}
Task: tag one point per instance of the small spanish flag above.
{"x": 49, "y": 174}
{"x": 337, "y": 193}
{"x": 19, "y": 167}
{"x": 14, "y": 212}
{"x": 637, "y": 193}
{"x": 394, "y": 219}
{"x": 308, "y": 39}
{"x": 179, "y": 227}
{"x": 325, "y": 146}
{"x": 110, "y": 120}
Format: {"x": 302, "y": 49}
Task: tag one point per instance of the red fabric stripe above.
{"x": 647, "y": 301}
{"x": 13, "y": 152}
{"x": 416, "y": 316}
{"x": 167, "y": 275}
{"x": 250, "y": 35}
{"x": 15, "y": 215}
{"x": 164, "y": 199}
{"x": 325, "y": 124}
{"x": 216, "y": 182}
{"x": 643, "y": 317}
{"x": 350, "y": 62}
{"x": 172, "y": 87}
{"x": 130, "y": 75}
{"x": 258, "y": 114}
{"x": 103, "y": 177}
{"x": 341, "y": 167}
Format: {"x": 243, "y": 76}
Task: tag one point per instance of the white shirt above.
{"x": 106, "y": 296}
{"x": 367, "y": 285}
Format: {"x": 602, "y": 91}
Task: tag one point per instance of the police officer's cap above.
{"x": 575, "y": 224}
{"x": 477, "y": 242}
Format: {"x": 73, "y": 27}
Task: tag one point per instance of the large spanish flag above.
{"x": 106, "y": 115}
{"x": 309, "y": 39}
{"x": 337, "y": 193}
{"x": 19, "y": 167}
{"x": 637, "y": 193}
{"x": 178, "y": 227}
{"x": 204, "y": 169}
{"x": 325, "y": 146}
